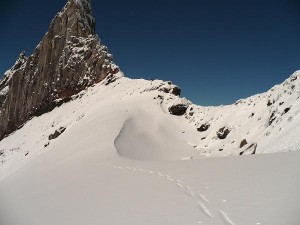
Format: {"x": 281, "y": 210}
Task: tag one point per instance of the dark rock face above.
{"x": 243, "y": 143}
{"x": 203, "y": 127}
{"x": 286, "y": 110}
{"x": 170, "y": 88}
{"x": 69, "y": 58}
{"x": 272, "y": 118}
{"x": 57, "y": 133}
{"x": 269, "y": 103}
{"x": 223, "y": 132}
{"x": 110, "y": 79}
{"x": 250, "y": 150}
{"x": 178, "y": 110}
{"x": 176, "y": 91}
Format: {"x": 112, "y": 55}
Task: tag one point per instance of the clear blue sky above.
{"x": 217, "y": 51}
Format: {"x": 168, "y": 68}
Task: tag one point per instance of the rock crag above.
{"x": 69, "y": 58}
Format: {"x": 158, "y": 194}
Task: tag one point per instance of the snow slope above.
{"x": 123, "y": 159}
{"x": 271, "y": 120}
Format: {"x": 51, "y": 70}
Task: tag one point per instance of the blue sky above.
{"x": 217, "y": 51}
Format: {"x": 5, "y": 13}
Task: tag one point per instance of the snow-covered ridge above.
{"x": 264, "y": 123}
{"x": 266, "y": 119}
{"x": 87, "y": 146}
{"x": 138, "y": 138}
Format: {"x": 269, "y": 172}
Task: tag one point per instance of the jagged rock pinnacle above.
{"x": 74, "y": 20}
{"x": 69, "y": 58}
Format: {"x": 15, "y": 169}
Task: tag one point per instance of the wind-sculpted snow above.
{"x": 153, "y": 136}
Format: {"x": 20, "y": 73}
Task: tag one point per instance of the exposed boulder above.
{"x": 110, "y": 79}
{"x": 243, "y": 143}
{"x": 250, "y": 150}
{"x": 178, "y": 109}
{"x": 178, "y": 106}
{"x": 286, "y": 110}
{"x": 56, "y": 134}
{"x": 269, "y": 103}
{"x": 272, "y": 118}
{"x": 191, "y": 111}
{"x": 168, "y": 87}
{"x": 203, "y": 127}
{"x": 176, "y": 91}
{"x": 223, "y": 132}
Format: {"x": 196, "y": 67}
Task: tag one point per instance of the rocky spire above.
{"x": 74, "y": 20}
{"x": 69, "y": 58}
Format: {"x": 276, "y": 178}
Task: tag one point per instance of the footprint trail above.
{"x": 200, "y": 199}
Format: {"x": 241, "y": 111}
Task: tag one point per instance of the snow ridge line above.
{"x": 201, "y": 200}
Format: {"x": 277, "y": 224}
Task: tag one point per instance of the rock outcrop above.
{"x": 203, "y": 127}
{"x": 69, "y": 58}
{"x": 57, "y": 133}
{"x": 178, "y": 110}
{"x": 223, "y": 132}
{"x": 250, "y": 150}
{"x": 243, "y": 143}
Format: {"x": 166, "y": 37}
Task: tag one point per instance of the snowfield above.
{"x": 117, "y": 157}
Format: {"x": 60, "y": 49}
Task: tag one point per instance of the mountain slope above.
{"x": 71, "y": 58}
{"x": 102, "y": 170}
{"x": 150, "y": 132}
{"x": 270, "y": 121}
